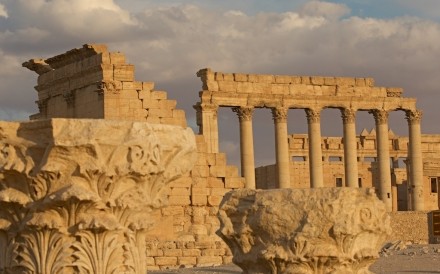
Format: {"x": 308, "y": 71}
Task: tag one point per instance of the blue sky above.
{"x": 395, "y": 41}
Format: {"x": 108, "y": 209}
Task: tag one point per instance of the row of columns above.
{"x": 350, "y": 150}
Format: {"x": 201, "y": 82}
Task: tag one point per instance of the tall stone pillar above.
{"x": 350, "y": 148}
{"x": 416, "y": 161}
{"x": 315, "y": 150}
{"x": 246, "y": 145}
{"x": 282, "y": 147}
{"x": 383, "y": 157}
{"x": 208, "y": 124}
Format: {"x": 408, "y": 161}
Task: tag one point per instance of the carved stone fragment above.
{"x": 321, "y": 230}
{"x": 76, "y": 195}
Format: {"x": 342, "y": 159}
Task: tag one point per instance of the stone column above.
{"x": 282, "y": 147}
{"x": 246, "y": 145}
{"x": 208, "y": 124}
{"x": 416, "y": 161}
{"x": 383, "y": 157}
{"x": 350, "y": 148}
{"x": 315, "y": 150}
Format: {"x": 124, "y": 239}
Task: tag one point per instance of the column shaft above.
{"x": 315, "y": 150}
{"x": 350, "y": 148}
{"x": 383, "y": 157}
{"x": 246, "y": 145}
{"x": 416, "y": 161}
{"x": 282, "y": 147}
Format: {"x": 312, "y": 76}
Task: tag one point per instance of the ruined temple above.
{"x": 91, "y": 82}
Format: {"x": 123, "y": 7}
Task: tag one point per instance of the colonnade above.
{"x": 315, "y": 151}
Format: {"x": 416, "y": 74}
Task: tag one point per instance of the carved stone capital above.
{"x": 244, "y": 113}
{"x": 313, "y": 115}
{"x": 348, "y": 115}
{"x": 380, "y": 116}
{"x": 92, "y": 186}
{"x": 280, "y": 114}
{"x": 253, "y": 222}
{"x": 413, "y": 116}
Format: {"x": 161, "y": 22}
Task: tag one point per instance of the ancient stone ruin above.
{"x": 322, "y": 230}
{"x": 77, "y": 195}
{"x": 93, "y": 83}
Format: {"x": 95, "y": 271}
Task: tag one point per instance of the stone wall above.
{"x": 410, "y": 226}
{"x": 94, "y": 83}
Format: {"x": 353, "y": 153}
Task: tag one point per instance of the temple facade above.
{"x": 91, "y": 82}
{"x": 367, "y": 165}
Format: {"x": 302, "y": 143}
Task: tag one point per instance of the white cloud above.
{"x": 169, "y": 43}
{"x": 324, "y": 9}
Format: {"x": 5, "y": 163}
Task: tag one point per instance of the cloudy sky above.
{"x": 397, "y": 42}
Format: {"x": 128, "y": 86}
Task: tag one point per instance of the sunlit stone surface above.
{"x": 76, "y": 195}
{"x": 323, "y": 230}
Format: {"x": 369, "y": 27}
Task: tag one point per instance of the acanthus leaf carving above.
{"x": 87, "y": 192}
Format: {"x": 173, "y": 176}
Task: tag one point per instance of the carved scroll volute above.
{"x": 244, "y": 113}
{"x": 91, "y": 190}
{"x": 280, "y": 114}
{"x": 380, "y": 116}
{"x": 348, "y": 115}
{"x": 313, "y": 115}
{"x": 413, "y": 116}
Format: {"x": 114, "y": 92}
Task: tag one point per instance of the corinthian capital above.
{"x": 280, "y": 114}
{"x": 413, "y": 116}
{"x": 380, "y": 116}
{"x": 313, "y": 115}
{"x": 244, "y": 113}
{"x": 348, "y": 115}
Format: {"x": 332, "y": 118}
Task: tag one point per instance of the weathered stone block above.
{"x": 335, "y": 230}
{"x": 90, "y": 188}
{"x": 168, "y": 261}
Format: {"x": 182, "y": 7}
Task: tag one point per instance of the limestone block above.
{"x": 281, "y": 79}
{"x": 329, "y": 81}
{"x": 369, "y": 82}
{"x": 305, "y": 80}
{"x": 236, "y": 182}
{"x": 166, "y": 261}
{"x": 218, "y": 76}
{"x": 217, "y": 171}
{"x": 212, "y": 85}
{"x": 345, "y": 81}
{"x": 209, "y": 260}
{"x": 160, "y": 95}
{"x": 240, "y": 77}
{"x": 320, "y": 230}
{"x": 261, "y": 87}
{"x": 317, "y": 80}
{"x": 123, "y": 72}
{"x": 199, "y": 199}
{"x": 179, "y": 200}
{"x": 187, "y": 261}
{"x": 71, "y": 188}
{"x": 245, "y": 87}
{"x": 266, "y": 79}
{"x": 280, "y": 89}
{"x": 231, "y": 171}
{"x": 192, "y": 252}
{"x": 172, "y": 252}
{"x": 117, "y": 58}
{"x": 227, "y": 86}
{"x": 215, "y": 183}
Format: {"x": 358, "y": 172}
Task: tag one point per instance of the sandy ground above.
{"x": 415, "y": 259}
